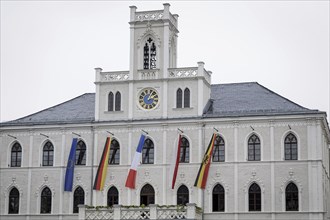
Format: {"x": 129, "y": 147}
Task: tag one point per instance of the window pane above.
{"x": 118, "y": 101}
{"x": 78, "y": 198}
{"x": 110, "y": 101}
{"x": 186, "y": 98}
{"x": 179, "y": 98}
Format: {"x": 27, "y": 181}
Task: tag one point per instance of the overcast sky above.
{"x": 49, "y": 49}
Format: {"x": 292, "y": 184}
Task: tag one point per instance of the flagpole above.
{"x": 203, "y": 194}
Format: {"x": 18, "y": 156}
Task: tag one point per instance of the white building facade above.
{"x": 271, "y": 161}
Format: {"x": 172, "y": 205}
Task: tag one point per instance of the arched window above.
{"x": 218, "y": 199}
{"x": 113, "y": 196}
{"x": 110, "y": 102}
{"x": 184, "y": 150}
{"x": 48, "y": 154}
{"x": 148, "y": 152}
{"x": 114, "y": 156}
{"x": 118, "y": 101}
{"x": 179, "y": 98}
{"x": 81, "y": 153}
{"x": 182, "y": 195}
{"x": 219, "y": 149}
{"x": 186, "y": 98}
{"x": 13, "y": 206}
{"x": 290, "y": 145}
{"x": 254, "y": 148}
{"x": 149, "y": 54}
{"x": 147, "y": 195}
{"x": 46, "y": 201}
{"x": 16, "y": 155}
{"x": 291, "y": 197}
{"x": 78, "y": 198}
{"x": 254, "y": 198}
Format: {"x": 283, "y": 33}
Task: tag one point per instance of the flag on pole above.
{"x": 205, "y": 165}
{"x": 175, "y": 167}
{"x": 103, "y": 166}
{"x": 70, "y": 166}
{"x": 130, "y": 181}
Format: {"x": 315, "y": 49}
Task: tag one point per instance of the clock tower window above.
{"x": 149, "y": 54}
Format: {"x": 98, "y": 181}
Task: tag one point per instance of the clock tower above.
{"x": 153, "y": 88}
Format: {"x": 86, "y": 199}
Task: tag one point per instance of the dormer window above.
{"x": 149, "y": 58}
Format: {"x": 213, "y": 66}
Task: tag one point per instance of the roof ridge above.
{"x": 225, "y": 84}
{"x": 46, "y": 109}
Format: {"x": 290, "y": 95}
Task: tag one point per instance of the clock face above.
{"x": 148, "y": 98}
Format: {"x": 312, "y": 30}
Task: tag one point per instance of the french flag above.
{"x": 130, "y": 181}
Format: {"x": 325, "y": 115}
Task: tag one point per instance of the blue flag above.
{"x": 70, "y": 167}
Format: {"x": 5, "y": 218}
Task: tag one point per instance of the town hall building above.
{"x": 270, "y": 158}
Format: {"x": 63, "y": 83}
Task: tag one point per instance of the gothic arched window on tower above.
{"x": 184, "y": 150}
{"x": 78, "y": 198}
{"x": 148, "y": 152}
{"x": 149, "y": 54}
{"x": 186, "y": 98}
{"x": 114, "y": 156}
{"x": 16, "y": 155}
{"x": 117, "y": 101}
{"x": 110, "y": 102}
{"x": 179, "y": 98}
{"x": 48, "y": 154}
{"x": 81, "y": 153}
{"x": 290, "y": 147}
{"x": 13, "y": 206}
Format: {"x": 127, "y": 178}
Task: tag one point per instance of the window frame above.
{"x": 220, "y": 196}
{"x": 16, "y": 155}
{"x": 251, "y": 146}
{"x": 254, "y": 195}
{"x": 47, "y": 151}
{"x": 184, "y": 150}
{"x": 112, "y": 196}
{"x": 186, "y": 98}
{"x": 289, "y": 145}
{"x": 219, "y": 149}
{"x": 46, "y": 201}
{"x": 148, "y": 152}
{"x": 293, "y": 196}
{"x": 78, "y": 197}
{"x": 179, "y": 98}
{"x": 114, "y": 153}
{"x": 182, "y": 195}
{"x": 16, "y": 201}
{"x": 118, "y": 101}
{"x": 149, "y": 194}
{"x": 111, "y": 102}
{"x": 82, "y": 161}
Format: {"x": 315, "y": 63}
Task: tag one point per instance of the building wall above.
{"x": 272, "y": 173}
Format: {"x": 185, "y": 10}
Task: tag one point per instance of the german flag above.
{"x": 103, "y": 166}
{"x": 205, "y": 165}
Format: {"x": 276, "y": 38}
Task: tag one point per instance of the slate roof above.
{"x": 249, "y": 99}
{"x": 227, "y": 100}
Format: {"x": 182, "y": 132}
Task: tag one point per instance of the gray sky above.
{"x": 49, "y": 49}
